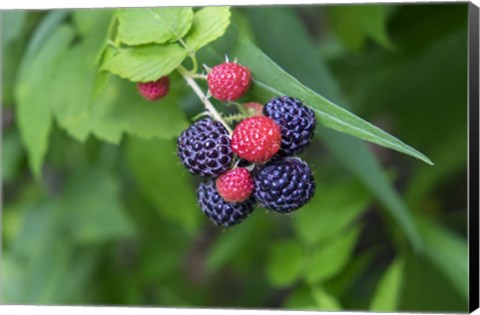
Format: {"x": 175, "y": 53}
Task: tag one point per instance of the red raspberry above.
{"x": 228, "y": 81}
{"x": 256, "y": 139}
{"x": 235, "y": 185}
{"x": 154, "y": 90}
{"x": 254, "y": 108}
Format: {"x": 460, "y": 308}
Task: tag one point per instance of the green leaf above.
{"x": 280, "y": 29}
{"x": 95, "y": 209}
{"x": 151, "y": 163}
{"x": 354, "y": 24}
{"x": 153, "y": 25}
{"x": 330, "y": 210}
{"x": 33, "y": 94}
{"x": 208, "y": 24}
{"x": 447, "y": 251}
{"x": 117, "y": 110}
{"x": 388, "y": 290}
{"x": 146, "y": 63}
{"x": 300, "y": 299}
{"x": 324, "y": 300}
{"x": 285, "y": 263}
{"x": 330, "y": 258}
{"x": 270, "y": 76}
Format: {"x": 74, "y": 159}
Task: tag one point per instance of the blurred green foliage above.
{"x": 110, "y": 217}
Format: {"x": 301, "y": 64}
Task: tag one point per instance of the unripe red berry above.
{"x": 228, "y": 81}
{"x": 154, "y": 90}
{"x": 235, "y": 185}
{"x": 256, "y": 139}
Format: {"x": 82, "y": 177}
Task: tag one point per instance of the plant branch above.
{"x": 208, "y": 105}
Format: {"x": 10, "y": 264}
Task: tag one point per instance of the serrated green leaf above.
{"x": 146, "y": 63}
{"x": 388, "y": 289}
{"x": 33, "y": 94}
{"x": 285, "y": 263}
{"x": 151, "y": 162}
{"x": 270, "y": 76}
{"x": 330, "y": 258}
{"x": 208, "y": 24}
{"x": 330, "y": 210}
{"x": 153, "y": 25}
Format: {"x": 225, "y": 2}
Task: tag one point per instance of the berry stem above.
{"x": 208, "y": 105}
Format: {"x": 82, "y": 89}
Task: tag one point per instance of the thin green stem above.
{"x": 208, "y": 105}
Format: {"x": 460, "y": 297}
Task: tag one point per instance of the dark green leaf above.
{"x": 354, "y": 24}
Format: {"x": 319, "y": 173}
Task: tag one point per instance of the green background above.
{"x": 113, "y": 220}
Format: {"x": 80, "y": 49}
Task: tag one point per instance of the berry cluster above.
{"x": 255, "y": 163}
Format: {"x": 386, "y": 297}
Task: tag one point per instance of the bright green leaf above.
{"x": 331, "y": 257}
{"x": 33, "y": 94}
{"x": 270, "y": 76}
{"x": 145, "y": 63}
{"x": 208, "y": 24}
{"x": 285, "y": 263}
{"x": 388, "y": 290}
{"x": 330, "y": 210}
{"x": 151, "y": 163}
{"x": 153, "y": 25}
{"x": 325, "y": 301}
{"x": 300, "y": 299}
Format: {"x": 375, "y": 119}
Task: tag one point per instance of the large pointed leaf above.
{"x": 388, "y": 290}
{"x": 270, "y": 76}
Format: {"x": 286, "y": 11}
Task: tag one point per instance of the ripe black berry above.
{"x": 297, "y": 123}
{"x": 284, "y": 185}
{"x": 218, "y": 210}
{"x": 204, "y": 148}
